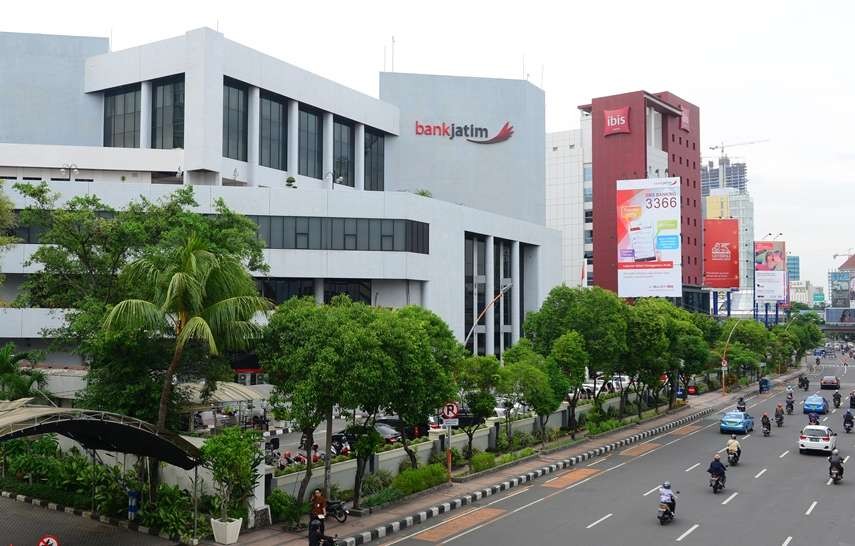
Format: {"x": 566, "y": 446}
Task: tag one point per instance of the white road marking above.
{"x": 746, "y": 436}
{"x": 825, "y": 419}
{"x": 786, "y": 542}
{"x": 809, "y": 510}
{"x": 759, "y": 473}
{"x": 828, "y": 482}
{"x": 694, "y": 466}
{"x": 721, "y": 450}
{"x": 845, "y": 459}
{"x": 784, "y": 454}
{"x": 652, "y": 490}
{"x": 602, "y": 519}
{"x": 834, "y": 410}
{"x": 687, "y": 533}
{"x": 730, "y": 498}
{"x": 598, "y": 461}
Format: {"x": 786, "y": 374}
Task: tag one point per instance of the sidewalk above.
{"x": 354, "y": 526}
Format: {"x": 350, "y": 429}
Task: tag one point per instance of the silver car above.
{"x": 817, "y": 438}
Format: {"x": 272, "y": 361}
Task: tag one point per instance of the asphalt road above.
{"x": 775, "y": 496}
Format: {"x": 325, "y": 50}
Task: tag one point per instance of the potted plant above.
{"x": 233, "y": 457}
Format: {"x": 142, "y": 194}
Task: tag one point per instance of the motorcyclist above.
{"x": 835, "y": 461}
{"x": 717, "y": 469}
{"x": 779, "y": 411}
{"x": 790, "y": 404}
{"x": 740, "y": 404}
{"x": 852, "y": 399}
{"x": 733, "y": 446}
{"x": 836, "y": 396}
{"x": 813, "y": 419}
{"x": 666, "y": 495}
{"x": 848, "y": 418}
{"x": 789, "y": 391}
{"x": 765, "y": 422}
{"x": 807, "y": 383}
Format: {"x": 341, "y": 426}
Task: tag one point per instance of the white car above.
{"x": 817, "y": 438}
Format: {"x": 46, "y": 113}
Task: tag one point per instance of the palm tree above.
{"x": 16, "y": 382}
{"x": 194, "y": 295}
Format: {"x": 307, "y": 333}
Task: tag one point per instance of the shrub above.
{"x": 233, "y": 457}
{"x": 384, "y": 496}
{"x": 285, "y": 508}
{"x": 483, "y": 461}
{"x": 522, "y": 439}
{"x": 513, "y": 456}
{"x": 418, "y": 479}
{"x": 502, "y": 443}
{"x": 456, "y": 457}
{"x": 374, "y": 483}
{"x": 405, "y": 465}
{"x": 173, "y": 513}
{"x": 603, "y": 426}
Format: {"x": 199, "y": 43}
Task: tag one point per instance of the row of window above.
{"x": 318, "y": 233}
{"x": 280, "y": 289}
{"x": 322, "y": 233}
{"x": 123, "y": 108}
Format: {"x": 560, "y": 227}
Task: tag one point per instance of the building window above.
{"x": 311, "y": 144}
{"x": 589, "y": 216}
{"x": 589, "y": 237}
{"x": 588, "y": 194}
{"x": 374, "y": 160}
{"x": 273, "y": 131}
{"x": 343, "y": 152}
{"x": 167, "y": 124}
{"x": 356, "y": 289}
{"x": 122, "y": 117}
{"x": 279, "y": 290}
{"x": 588, "y": 255}
{"x": 234, "y": 119}
{"x": 587, "y": 172}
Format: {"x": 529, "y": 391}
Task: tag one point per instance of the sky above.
{"x": 759, "y": 70}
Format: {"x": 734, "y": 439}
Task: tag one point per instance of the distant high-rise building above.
{"x": 726, "y": 175}
{"x": 793, "y": 268}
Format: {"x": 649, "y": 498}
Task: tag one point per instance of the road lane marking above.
{"x": 728, "y": 499}
{"x": 834, "y": 410}
{"x": 687, "y": 533}
{"x": 602, "y": 519}
{"x": 598, "y": 461}
{"x": 652, "y": 490}
{"x": 809, "y": 510}
{"x": 786, "y": 542}
{"x": 828, "y": 482}
{"x": 694, "y": 466}
{"x": 825, "y": 419}
{"x": 784, "y": 454}
{"x": 759, "y": 473}
{"x": 454, "y": 526}
{"x": 746, "y": 436}
{"x": 845, "y": 459}
{"x": 721, "y": 450}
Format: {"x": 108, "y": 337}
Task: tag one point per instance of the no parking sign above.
{"x": 48, "y": 540}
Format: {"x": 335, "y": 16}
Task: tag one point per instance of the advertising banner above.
{"x": 648, "y": 236}
{"x": 838, "y": 286}
{"x": 770, "y": 271}
{"x": 840, "y": 316}
{"x": 721, "y": 253}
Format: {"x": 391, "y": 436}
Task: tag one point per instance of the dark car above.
{"x": 829, "y": 382}
{"x": 389, "y": 434}
{"x": 410, "y": 431}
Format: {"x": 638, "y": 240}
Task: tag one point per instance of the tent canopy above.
{"x": 96, "y": 430}
{"x": 225, "y": 392}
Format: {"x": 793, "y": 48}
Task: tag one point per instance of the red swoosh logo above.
{"x": 504, "y": 134}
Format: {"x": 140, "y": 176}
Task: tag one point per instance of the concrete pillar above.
{"x": 426, "y": 294}
{"x": 490, "y": 317}
{"x": 515, "y": 291}
{"x": 146, "y": 106}
{"x": 329, "y": 176}
{"x": 359, "y": 157}
{"x": 253, "y": 135}
{"x": 319, "y": 291}
{"x": 474, "y": 302}
{"x": 293, "y": 151}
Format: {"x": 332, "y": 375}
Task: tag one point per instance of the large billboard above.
{"x": 770, "y": 271}
{"x": 838, "y": 286}
{"x": 649, "y": 257}
{"x": 840, "y": 316}
{"x": 721, "y": 253}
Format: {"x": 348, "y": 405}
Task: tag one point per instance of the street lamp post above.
{"x": 498, "y": 296}
{"x": 724, "y": 359}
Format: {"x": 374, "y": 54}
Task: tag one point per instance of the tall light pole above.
{"x": 724, "y": 358}
{"x": 498, "y": 296}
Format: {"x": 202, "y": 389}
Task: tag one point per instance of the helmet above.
{"x": 765, "y": 414}
{"x": 716, "y": 456}
{"x": 667, "y": 485}
{"x": 833, "y": 451}
{"x": 779, "y": 404}
{"x": 733, "y": 436}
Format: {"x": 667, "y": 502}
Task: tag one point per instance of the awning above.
{"x": 96, "y": 430}
{"x": 225, "y": 392}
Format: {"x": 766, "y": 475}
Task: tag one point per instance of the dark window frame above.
{"x": 167, "y": 120}
{"x": 375, "y": 157}
{"x": 344, "y": 151}
{"x": 235, "y": 119}
{"x": 273, "y": 131}
{"x": 117, "y": 116}
{"x": 311, "y": 143}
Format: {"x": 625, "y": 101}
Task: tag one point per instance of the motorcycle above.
{"x": 847, "y": 427}
{"x": 665, "y": 515}
{"x": 851, "y": 402}
{"x": 766, "y": 430}
{"x": 336, "y": 509}
{"x": 733, "y": 458}
{"x": 779, "y": 420}
{"x": 790, "y": 405}
{"x": 717, "y": 484}
{"x": 837, "y": 401}
{"x": 740, "y": 407}
{"x": 835, "y": 475}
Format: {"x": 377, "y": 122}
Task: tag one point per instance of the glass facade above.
{"x": 343, "y": 152}
{"x": 278, "y": 289}
{"x": 273, "y": 132}
{"x": 501, "y": 277}
{"x": 356, "y": 289}
{"x": 234, "y": 119}
{"x": 167, "y": 123}
{"x": 374, "y": 160}
{"x": 311, "y": 153}
{"x": 122, "y": 117}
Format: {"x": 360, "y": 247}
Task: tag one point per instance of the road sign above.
{"x": 451, "y": 422}
{"x": 450, "y": 410}
{"x": 48, "y": 540}
{"x": 724, "y": 365}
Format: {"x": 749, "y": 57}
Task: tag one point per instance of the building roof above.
{"x": 225, "y": 392}
{"x": 848, "y": 265}
{"x": 650, "y": 97}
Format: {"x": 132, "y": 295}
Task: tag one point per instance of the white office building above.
{"x": 235, "y": 123}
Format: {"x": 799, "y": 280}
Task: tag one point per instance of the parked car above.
{"x": 829, "y": 382}
{"x": 817, "y": 438}
{"x": 388, "y": 433}
{"x": 736, "y": 421}
{"x": 502, "y": 408}
{"x": 410, "y": 431}
{"x": 815, "y": 404}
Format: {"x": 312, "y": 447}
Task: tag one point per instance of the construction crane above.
{"x": 724, "y": 146}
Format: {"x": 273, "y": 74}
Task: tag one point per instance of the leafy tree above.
{"x": 545, "y": 397}
{"x": 647, "y": 340}
{"x": 7, "y": 223}
{"x": 570, "y": 358}
{"x": 477, "y": 377}
{"x": 17, "y": 382}
{"x": 233, "y": 456}
{"x": 194, "y": 295}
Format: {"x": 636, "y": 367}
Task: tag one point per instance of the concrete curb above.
{"x": 129, "y": 525}
{"x": 434, "y": 511}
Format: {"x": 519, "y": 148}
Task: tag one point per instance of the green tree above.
{"x": 194, "y": 295}
{"x": 233, "y": 456}
{"x": 8, "y": 221}
{"x": 477, "y": 377}
{"x": 571, "y": 359}
{"x": 17, "y": 382}
{"x": 647, "y": 341}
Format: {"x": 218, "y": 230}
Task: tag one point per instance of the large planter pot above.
{"x": 226, "y": 532}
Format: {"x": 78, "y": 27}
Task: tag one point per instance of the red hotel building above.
{"x": 638, "y": 135}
